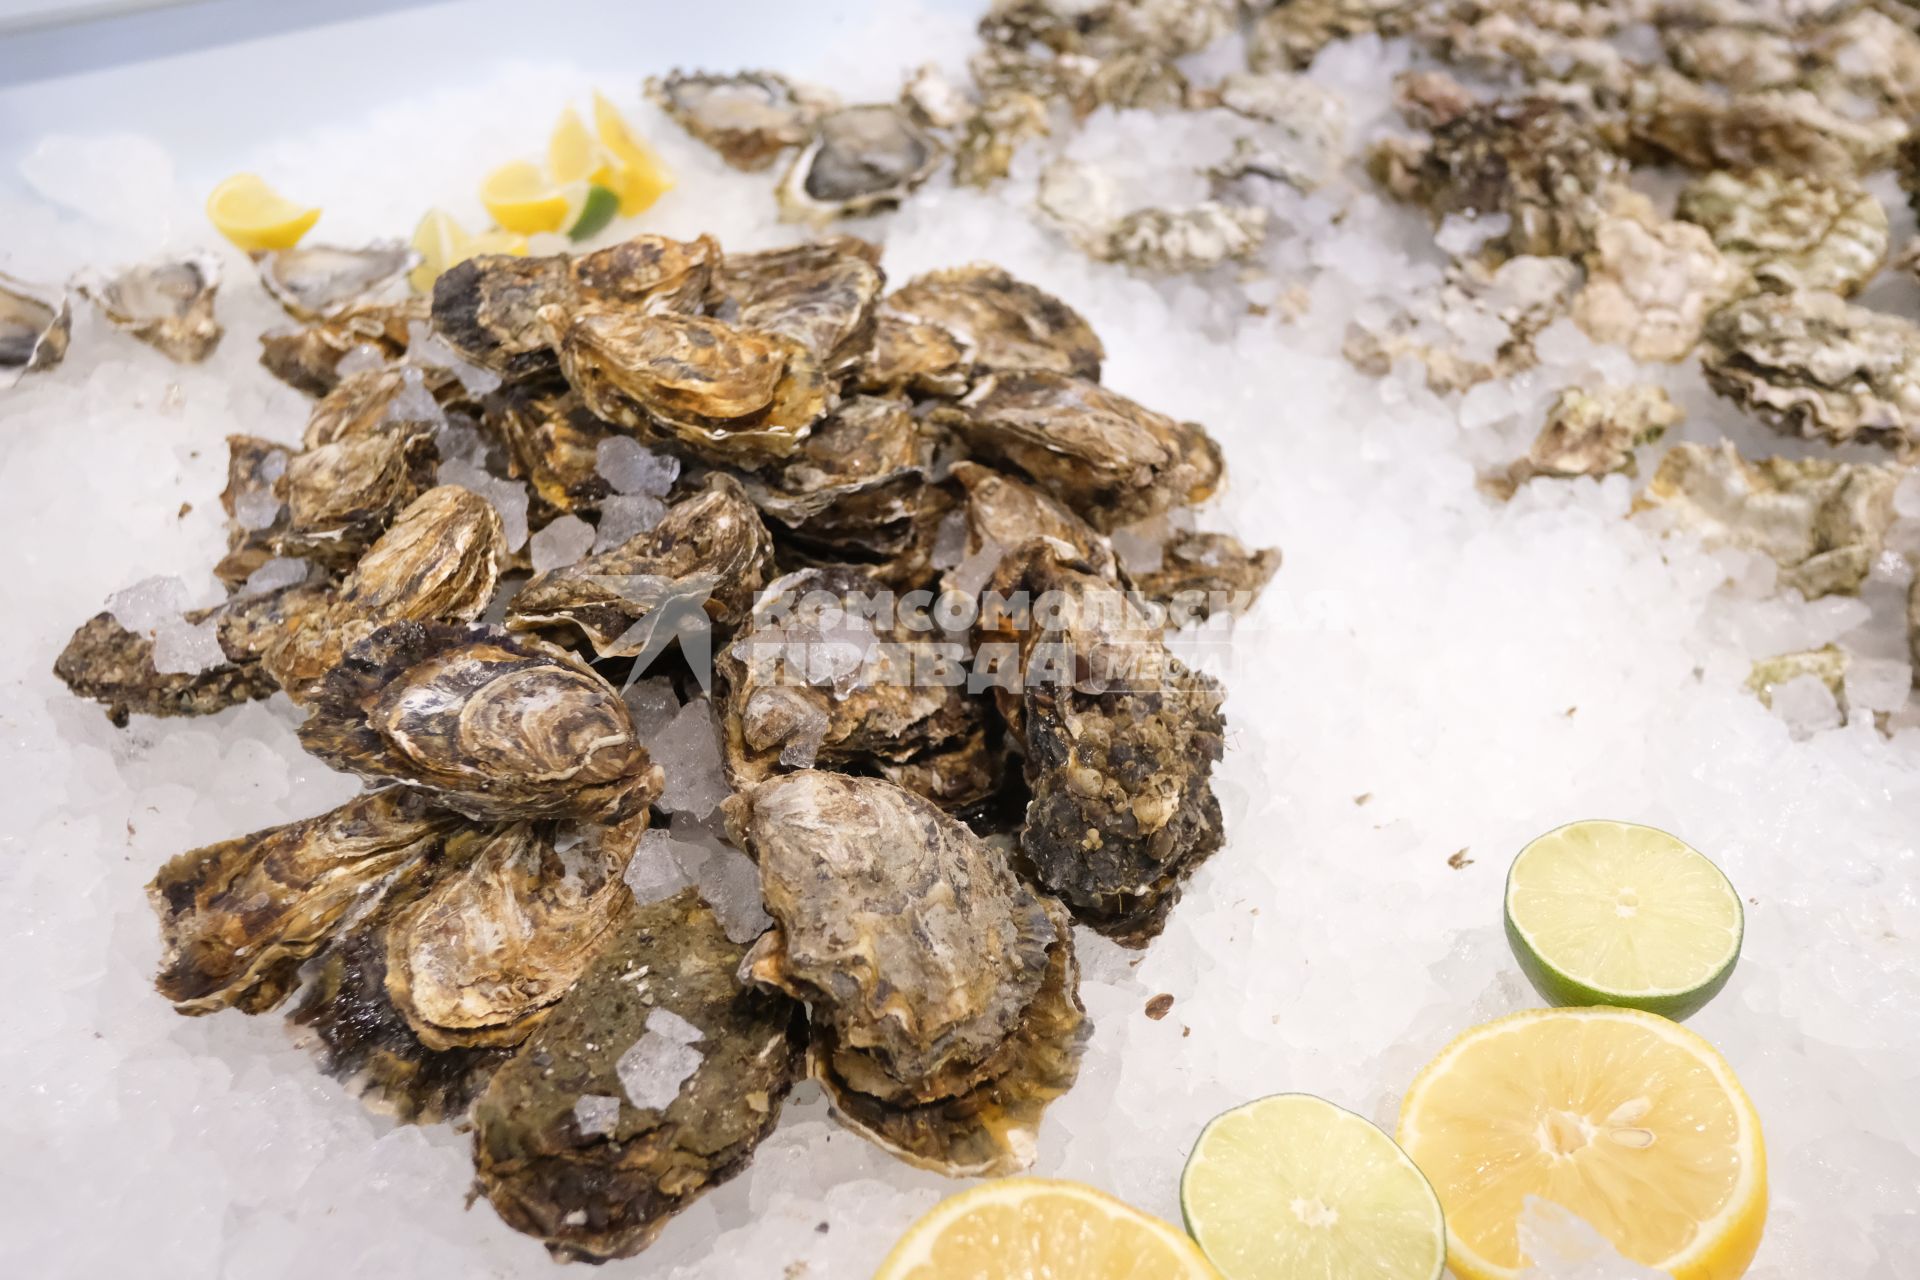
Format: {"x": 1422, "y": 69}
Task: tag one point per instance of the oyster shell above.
{"x": 368, "y": 403}
{"x": 1823, "y": 522}
{"x": 820, "y": 295}
{"x": 709, "y": 551}
{"x": 1809, "y": 364}
{"x": 486, "y": 309}
{"x": 1594, "y": 433}
{"x": 1303, "y": 134}
{"x": 490, "y": 725}
{"x": 308, "y": 356}
{"x": 910, "y": 357}
{"x": 605, "y": 1190}
{"x": 1109, "y": 459}
{"x": 730, "y": 395}
{"x": 114, "y": 666}
{"x": 908, "y": 937}
{"x": 1120, "y": 742}
{"x": 749, "y": 118}
{"x": 1651, "y": 281}
{"x": 1288, "y": 36}
{"x": 342, "y": 496}
{"x": 166, "y": 304}
{"x": 1006, "y": 119}
{"x": 1085, "y": 204}
{"x": 997, "y": 323}
{"x": 1003, "y": 514}
{"x": 1201, "y": 574}
{"x": 1445, "y": 330}
{"x": 655, "y": 274}
{"x": 35, "y": 323}
{"x": 323, "y": 282}
{"x": 1670, "y": 118}
{"x": 1827, "y": 664}
{"x": 554, "y": 441}
{"x": 815, "y": 680}
{"x": 862, "y": 160}
{"x": 1792, "y": 232}
{"x": 237, "y": 918}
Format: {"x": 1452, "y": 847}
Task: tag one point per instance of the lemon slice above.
{"x": 1628, "y": 1120}
{"x": 639, "y": 176}
{"x": 1620, "y": 914}
{"x": 255, "y": 217}
{"x": 1041, "y": 1229}
{"x": 442, "y": 242}
{"x": 574, "y": 155}
{"x": 524, "y": 200}
{"x": 1292, "y": 1186}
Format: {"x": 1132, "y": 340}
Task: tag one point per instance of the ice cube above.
{"x": 654, "y": 872}
{"x": 185, "y": 648}
{"x": 596, "y": 1114}
{"x": 688, "y": 750}
{"x": 424, "y": 347}
{"x": 509, "y": 497}
{"x": 281, "y": 571}
{"x": 626, "y": 516}
{"x": 653, "y": 705}
{"x": 632, "y": 468}
{"x": 655, "y": 1066}
{"x": 667, "y": 1023}
{"x": 147, "y": 603}
{"x": 561, "y": 542}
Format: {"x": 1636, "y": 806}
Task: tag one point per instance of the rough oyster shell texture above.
{"x": 166, "y": 304}
{"x": 35, "y": 324}
{"x": 1792, "y": 232}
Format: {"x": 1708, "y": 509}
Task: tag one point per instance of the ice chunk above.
{"x": 626, "y": 516}
{"x": 1807, "y": 705}
{"x": 184, "y": 648}
{"x": 360, "y": 359}
{"x": 1463, "y": 234}
{"x": 147, "y": 603}
{"x": 667, "y": 1023}
{"x": 728, "y": 880}
{"x": 509, "y": 497}
{"x": 1562, "y": 1246}
{"x": 561, "y": 542}
{"x": 632, "y": 468}
{"x": 653, "y": 1070}
{"x": 424, "y": 347}
{"x": 803, "y": 744}
{"x": 950, "y": 540}
{"x": 653, "y": 705}
{"x": 256, "y": 508}
{"x": 1878, "y": 684}
{"x": 654, "y": 872}
{"x": 281, "y": 571}
{"x": 413, "y": 402}
{"x": 689, "y": 751}
{"x": 596, "y": 1114}
{"x": 120, "y": 179}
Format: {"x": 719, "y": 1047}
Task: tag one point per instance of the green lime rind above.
{"x": 598, "y": 210}
{"x": 1560, "y": 988}
{"x": 1194, "y": 1158}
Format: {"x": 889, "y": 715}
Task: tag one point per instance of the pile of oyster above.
{"x": 582, "y": 523}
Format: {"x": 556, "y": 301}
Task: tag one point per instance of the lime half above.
{"x": 1293, "y": 1186}
{"x": 1620, "y": 914}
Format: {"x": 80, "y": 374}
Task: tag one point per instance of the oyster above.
{"x": 1827, "y": 664}
{"x": 1006, "y": 119}
{"x": 1651, "y": 281}
{"x": 35, "y": 323}
{"x": 1003, "y": 513}
{"x": 554, "y": 441}
{"x": 1201, "y": 574}
{"x": 1109, "y": 459}
{"x": 321, "y": 282}
{"x": 1670, "y": 118}
{"x": 660, "y": 1000}
{"x": 490, "y": 725}
{"x": 817, "y": 680}
{"x": 1537, "y": 161}
{"x": 1868, "y": 54}
{"x": 1120, "y": 740}
{"x": 1302, "y": 136}
{"x": 998, "y": 323}
{"x": 1809, "y": 364}
{"x": 749, "y": 118}
{"x": 911, "y": 357}
{"x": 1792, "y": 232}
{"x": 371, "y": 402}
{"x": 655, "y": 274}
{"x": 862, "y": 160}
{"x": 731, "y": 395}
{"x": 1741, "y": 58}
{"x": 1480, "y": 324}
{"x": 1085, "y": 204}
{"x": 308, "y": 356}
{"x": 1594, "y": 433}
{"x": 709, "y": 552}
{"x": 486, "y": 309}
{"x": 820, "y": 295}
{"x": 112, "y": 665}
{"x": 255, "y": 513}
{"x": 342, "y": 496}
{"x": 1288, "y": 36}
{"x": 237, "y": 918}
{"x": 1823, "y": 522}
{"x": 166, "y": 304}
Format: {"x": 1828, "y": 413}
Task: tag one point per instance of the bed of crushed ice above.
{"x": 1433, "y": 678}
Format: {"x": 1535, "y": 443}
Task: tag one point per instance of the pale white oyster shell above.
{"x": 1792, "y": 231}
{"x": 167, "y": 303}
{"x": 1652, "y": 282}
{"x": 321, "y": 282}
{"x": 35, "y": 323}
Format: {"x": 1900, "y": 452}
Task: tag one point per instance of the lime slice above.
{"x": 1632, "y": 1122}
{"x": 1293, "y": 1186}
{"x": 1620, "y": 914}
{"x": 595, "y": 213}
{"x": 257, "y": 218}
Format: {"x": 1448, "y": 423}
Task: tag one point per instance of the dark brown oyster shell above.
{"x": 1111, "y": 460}
{"x": 821, "y": 295}
{"x": 604, "y": 1190}
{"x": 999, "y": 323}
{"x": 903, "y": 931}
{"x": 342, "y": 496}
{"x": 363, "y": 404}
{"x": 238, "y": 918}
{"x": 811, "y": 681}
{"x": 862, "y": 160}
{"x": 554, "y": 441}
{"x": 1119, "y": 759}
{"x": 489, "y": 724}
{"x": 1004, "y": 514}
{"x": 729, "y": 395}
{"x": 749, "y": 118}
{"x": 909, "y": 356}
{"x": 308, "y": 356}
{"x": 166, "y": 304}
{"x": 112, "y": 665}
{"x": 709, "y": 550}
{"x": 650, "y": 273}
{"x": 1204, "y": 573}
{"x": 485, "y": 309}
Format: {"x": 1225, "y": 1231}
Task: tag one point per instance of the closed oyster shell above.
{"x": 237, "y": 918}
{"x": 554, "y": 441}
{"x": 1652, "y": 281}
{"x": 1823, "y": 522}
{"x": 1809, "y": 364}
{"x": 1120, "y": 742}
{"x": 862, "y": 160}
{"x": 490, "y": 725}
{"x": 324, "y": 282}
{"x": 486, "y": 309}
{"x": 35, "y": 323}
{"x": 730, "y": 395}
{"x": 903, "y": 931}
{"x": 166, "y": 304}
{"x": 363, "y": 404}
{"x": 651, "y": 273}
{"x": 749, "y": 118}
{"x": 710, "y": 550}
{"x": 342, "y": 496}
{"x": 308, "y": 356}
{"x": 999, "y": 324}
{"x": 990, "y": 1127}
{"x": 1670, "y": 118}
{"x": 1204, "y": 573}
{"x": 114, "y": 666}
{"x": 1792, "y": 232}
{"x": 911, "y": 357}
{"x": 607, "y": 1193}
{"x": 1288, "y": 36}
{"x": 1111, "y": 460}
{"x": 821, "y": 295}
{"x": 1004, "y": 514}
{"x": 1594, "y": 432}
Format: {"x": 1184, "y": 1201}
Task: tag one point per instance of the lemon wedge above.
{"x": 1628, "y": 1120}
{"x": 523, "y": 199}
{"x": 575, "y": 155}
{"x": 1042, "y": 1229}
{"x": 255, "y": 217}
{"x": 639, "y": 176}
{"x": 442, "y": 242}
